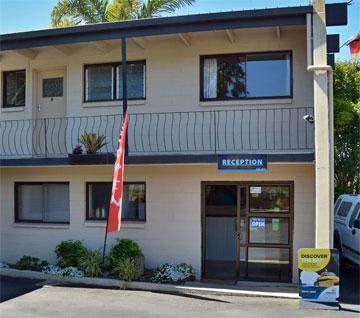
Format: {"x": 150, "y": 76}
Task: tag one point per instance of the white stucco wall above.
{"x": 173, "y": 71}
{"x": 172, "y": 232}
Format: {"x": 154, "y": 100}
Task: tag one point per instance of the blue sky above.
{"x": 25, "y": 15}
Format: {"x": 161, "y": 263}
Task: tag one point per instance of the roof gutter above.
{"x": 157, "y": 26}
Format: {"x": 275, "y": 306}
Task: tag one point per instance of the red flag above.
{"x": 114, "y": 218}
{"x": 354, "y": 49}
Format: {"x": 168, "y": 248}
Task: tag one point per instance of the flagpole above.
{"x": 104, "y": 248}
{"x": 124, "y": 100}
{"x": 124, "y": 83}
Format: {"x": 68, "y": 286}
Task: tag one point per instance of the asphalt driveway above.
{"x": 13, "y": 287}
{"x": 349, "y": 283}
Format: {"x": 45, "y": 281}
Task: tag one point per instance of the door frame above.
{"x": 36, "y": 88}
{"x": 239, "y": 184}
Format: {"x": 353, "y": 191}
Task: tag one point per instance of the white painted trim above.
{"x": 114, "y": 103}
{"x": 42, "y": 226}
{"x": 247, "y": 102}
{"x": 13, "y": 109}
{"x": 124, "y": 224}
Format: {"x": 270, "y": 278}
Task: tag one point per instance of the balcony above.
{"x": 274, "y": 131}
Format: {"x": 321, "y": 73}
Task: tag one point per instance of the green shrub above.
{"x": 30, "y": 263}
{"x": 127, "y": 269}
{"x": 69, "y": 253}
{"x": 90, "y": 263}
{"x": 124, "y": 248}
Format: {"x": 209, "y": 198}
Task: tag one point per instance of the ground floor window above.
{"x": 42, "y": 202}
{"x": 247, "y": 231}
{"x": 98, "y": 196}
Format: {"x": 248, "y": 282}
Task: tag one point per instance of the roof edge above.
{"x": 156, "y": 26}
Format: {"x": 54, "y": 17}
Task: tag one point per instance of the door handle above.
{"x": 353, "y": 232}
{"x": 39, "y": 107}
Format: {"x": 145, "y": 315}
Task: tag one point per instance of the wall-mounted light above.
{"x": 309, "y": 118}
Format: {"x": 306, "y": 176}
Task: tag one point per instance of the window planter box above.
{"x": 91, "y": 159}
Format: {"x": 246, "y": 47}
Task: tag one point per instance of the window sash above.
{"x": 116, "y": 84}
{"x": 248, "y": 64}
{"x": 129, "y": 188}
{"x": 344, "y": 209}
{"x": 18, "y": 100}
{"x": 52, "y": 204}
{"x": 102, "y": 83}
{"x": 133, "y": 92}
{"x": 269, "y": 230}
{"x": 354, "y": 214}
{"x": 277, "y": 199}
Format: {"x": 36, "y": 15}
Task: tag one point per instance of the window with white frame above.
{"x": 42, "y": 202}
{"x": 103, "y": 82}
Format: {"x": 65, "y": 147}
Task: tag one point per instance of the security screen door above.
{"x": 247, "y": 231}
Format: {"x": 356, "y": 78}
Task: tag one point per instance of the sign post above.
{"x": 319, "y": 275}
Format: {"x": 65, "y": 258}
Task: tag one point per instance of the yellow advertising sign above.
{"x": 313, "y": 259}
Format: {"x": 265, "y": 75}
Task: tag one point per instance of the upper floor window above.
{"x": 246, "y": 76}
{"x": 103, "y": 82}
{"x": 42, "y": 202}
{"x": 14, "y": 88}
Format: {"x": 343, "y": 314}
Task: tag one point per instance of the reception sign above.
{"x": 252, "y": 162}
{"x": 319, "y": 275}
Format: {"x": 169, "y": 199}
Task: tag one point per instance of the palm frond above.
{"x": 74, "y": 12}
{"x": 154, "y": 8}
{"x": 123, "y": 10}
{"x": 65, "y": 22}
{"x": 64, "y": 10}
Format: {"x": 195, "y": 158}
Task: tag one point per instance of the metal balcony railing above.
{"x": 252, "y": 130}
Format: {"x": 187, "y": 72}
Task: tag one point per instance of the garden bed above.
{"x": 195, "y": 288}
{"x": 125, "y": 263}
{"x": 92, "y": 281}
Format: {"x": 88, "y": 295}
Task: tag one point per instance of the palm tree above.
{"x": 77, "y": 12}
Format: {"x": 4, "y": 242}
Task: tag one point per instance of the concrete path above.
{"x": 70, "y": 302}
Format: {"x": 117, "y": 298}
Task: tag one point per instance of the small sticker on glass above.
{"x": 255, "y": 190}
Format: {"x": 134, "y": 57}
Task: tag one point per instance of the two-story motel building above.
{"x": 205, "y": 93}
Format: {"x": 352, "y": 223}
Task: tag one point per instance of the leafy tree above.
{"x": 347, "y": 128}
{"x": 76, "y": 12}
{"x": 231, "y": 77}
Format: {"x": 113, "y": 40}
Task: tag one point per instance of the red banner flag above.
{"x": 354, "y": 49}
{"x": 114, "y": 218}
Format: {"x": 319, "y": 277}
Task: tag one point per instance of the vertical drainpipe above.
{"x": 328, "y": 69}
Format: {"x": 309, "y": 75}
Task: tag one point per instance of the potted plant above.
{"x": 77, "y": 150}
{"x": 92, "y": 144}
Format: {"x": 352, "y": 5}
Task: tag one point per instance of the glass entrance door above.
{"x": 247, "y": 231}
{"x": 221, "y": 224}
